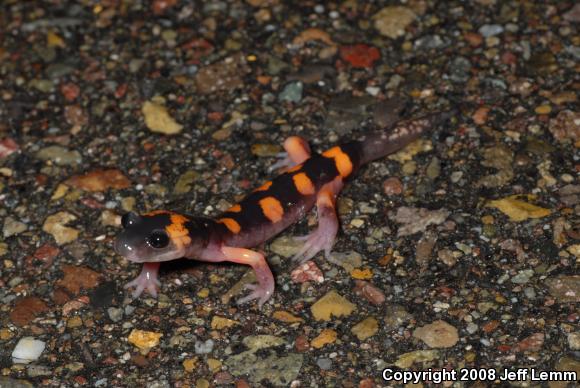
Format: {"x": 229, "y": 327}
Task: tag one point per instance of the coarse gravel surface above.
{"x": 458, "y": 252}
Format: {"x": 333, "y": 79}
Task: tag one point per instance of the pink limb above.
{"x": 322, "y": 239}
{"x": 297, "y": 152}
{"x": 265, "y": 287}
{"x": 147, "y": 280}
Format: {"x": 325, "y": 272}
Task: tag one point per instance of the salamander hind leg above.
{"x": 297, "y": 152}
{"x": 147, "y": 280}
{"x": 322, "y": 239}
{"x": 265, "y": 287}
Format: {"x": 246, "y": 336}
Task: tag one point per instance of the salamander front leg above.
{"x": 265, "y": 287}
{"x": 147, "y": 280}
{"x": 323, "y": 237}
{"x": 297, "y": 151}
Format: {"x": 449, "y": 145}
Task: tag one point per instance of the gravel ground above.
{"x": 458, "y": 253}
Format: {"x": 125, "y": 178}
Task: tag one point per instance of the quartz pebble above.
{"x": 28, "y": 349}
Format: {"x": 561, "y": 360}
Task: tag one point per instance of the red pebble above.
{"x": 7, "y": 147}
{"x": 121, "y": 90}
{"x": 392, "y": 186}
{"x": 46, "y": 254}
{"x": 369, "y": 292}
{"x": 532, "y": 343}
{"x": 159, "y": 6}
{"x": 242, "y": 384}
{"x": 301, "y": 343}
{"x": 366, "y": 383}
{"x": 360, "y": 55}
{"x": 70, "y": 91}
{"x": 307, "y": 272}
{"x": 480, "y": 115}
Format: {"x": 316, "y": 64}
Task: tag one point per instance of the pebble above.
{"x": 292, "y": 92}
{"x": 56, "y": 226}
{"x": 438, "y": 334}
{"x": 565, "y": 288}
{"x": 158, "y": 120}
{"x": 326, "y": 336}
{"x": 190, "y": 364}
{"x": 518, "y": 210}
{"x": 574, "y": 340}
{"x": 530, "y": 293}
{"x": 406, "y": 360}
{"x": 331, "y": 305}
{"x": 391, "y": 21}
{"x": 523, "y": 276}
{"x": 393, "y": 186}
{"x": 26, "y": 309}
{"x": 488, "y": 30}
{"x": 324, "y": 363}
{"x": 27, "y": 350}
{"x": 204, "y": 347}
{"x": 115, "y": 314}
{"x": 279, "y": 370}
{"x": 414, "y": 220}
{"x": 219, "y": 323}
{"x": 13, "y": 227}
{"x": 60, "y": 156}
{"x": 285, "y": 316}
{"x": 77, "y": 278}
{"x": 307, "y": 271}
{"x": 144, "y": 340}
{"x": 472, "y": 328}
{"x": 99, "y": 180}
{"x": 347, "y": 260}
{"x": 566, "y": 125}
{"x": 366, "y": 328}
{"x": 38, "y": 371}
{"x": 371, "y": 293}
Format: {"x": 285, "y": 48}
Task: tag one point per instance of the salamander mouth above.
{"x": 144, "y": 254}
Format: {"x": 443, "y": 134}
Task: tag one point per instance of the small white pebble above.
{"x": 27, "y": 350}
{"x": 373, "y": 90}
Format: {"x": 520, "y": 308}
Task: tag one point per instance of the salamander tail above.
{"x": 381, "y": 143}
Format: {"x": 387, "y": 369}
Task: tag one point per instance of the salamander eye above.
{"x": 158, "y": 239}
{"x": 129, "y": 219}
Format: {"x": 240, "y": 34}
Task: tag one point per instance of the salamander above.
{"x": 309, "y": 180}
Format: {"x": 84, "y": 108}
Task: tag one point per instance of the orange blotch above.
{"x": 156, "y": 212}
{"x": 177, "y": 227}
{"x": 303, "y": 184}
{"x": 342, "y": 161}
{"x": 297, "y": 149}
{"x": 272, "y": 209}
{"x": 265, "y": 186}
{"x": 231, "y": 224}
{"x": 234, "y": 209}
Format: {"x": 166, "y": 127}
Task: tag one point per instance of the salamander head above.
{"x": 153, "y": 237}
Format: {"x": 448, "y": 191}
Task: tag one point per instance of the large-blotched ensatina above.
{"x": 311, "y": 179}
